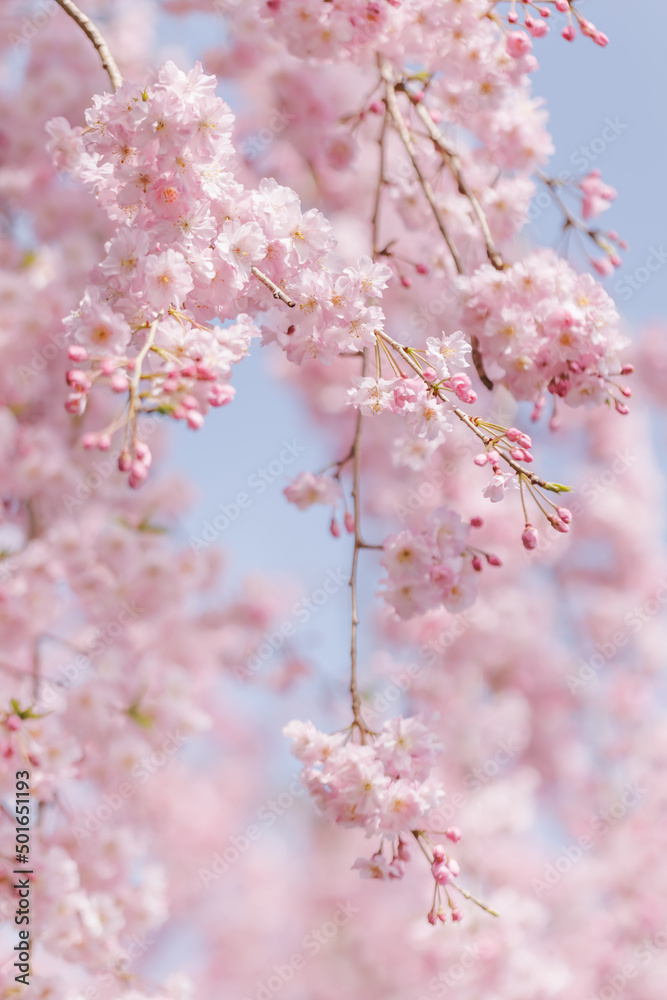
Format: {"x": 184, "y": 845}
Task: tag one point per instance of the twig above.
{"x": 382, "y": 180}
{"x": 571, "y": 220}
{"x": 87, "y": 26}
{"x": 454, "y": 165}
{"x": 395, "y": 112}
{"x": 358, "y": 544}
{"x": 277, "y": 292}
{"x": 464, "y": 418}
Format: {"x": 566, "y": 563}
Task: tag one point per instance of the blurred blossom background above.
{"x": 548, "y": 694}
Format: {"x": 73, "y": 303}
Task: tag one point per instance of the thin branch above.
{"x": 395, "y": 112}
{"x": 571, "y": 220}
{"x": 277, "y": 292}
{"x": 94, "y": 34}
{"x": 464, "y": 418}
{"x": 454, "y": 164}
{"x": 478, "y": 362}
{"x": 382, "y": 180}
{"x": 358, "y": 545}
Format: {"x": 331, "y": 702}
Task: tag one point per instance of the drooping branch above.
{"x": 392, "y": 107}
{"x": 469, "y": 421}
{"x": 358, "y": 544}
{"x": 96, "y": 37}
{"x": 453, "y": 162}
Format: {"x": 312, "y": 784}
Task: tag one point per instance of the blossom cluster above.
{"x": 170, "y": 308}
{"x": 544, "y": 328}
{"x": 381, "y": 786}
{"x": 433, "y": 566}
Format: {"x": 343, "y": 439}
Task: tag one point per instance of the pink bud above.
{"x": 108, "y": 366}
{"x": 622, "y": 408}
{"x": 143, "y": 453}
{"x": 421, "y": 269}
{"x": 75, "y": 403}
{"x": 195, "y": 420}
{"x": 529, "y": 537}
{"x": 439, "y": 853}
{"x": 569, "y": 34}
{"x": 559, "y": 525}
{"x": 457, "y": 916}
{"x": 220, "y": 395}
{"x": 561, "y": 5}
{"x": 78, "y": 379}
{"x": 476, "y": 522}
{"x": 441, "y": 873}
{"x": 377, "y": 107}
{"x": 518, "y": 44}
{"x": 454, "y": 867}
{"x": 89, "y": 441}
{"x": 627, "y": 369}
{"x": 118, "y": 382}
{"x": 104, "y": 442}
{"x": 481, "y": 459}
{"x": 406, "y": 281}
{"x": 477, "y": 564}
{"x": 403, "y": 851}
{"x": 13, "y": 723}
{"x": 432, "y": 918}
{"x": 124, "y": 461}
{"x": 334, "y": 528}
{"x": 138, "y": 475}
{"x": 349, "y": 521}
{"x": 494, "y": 560}
{"x": 453, "y": 833}
{"x": 77, "y": 353}
{"x": 564, "y": 514}
{"x": 512, "y": 17}
{"x": 600, "y": 39}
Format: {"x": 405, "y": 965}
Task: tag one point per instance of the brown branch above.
{"x": 454, "y": 164}
{"x": 94, "y": 34}
{"x": 387, "y": 74}
{"x": 358, "y": 545}
{"x": 277, "y": 292}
